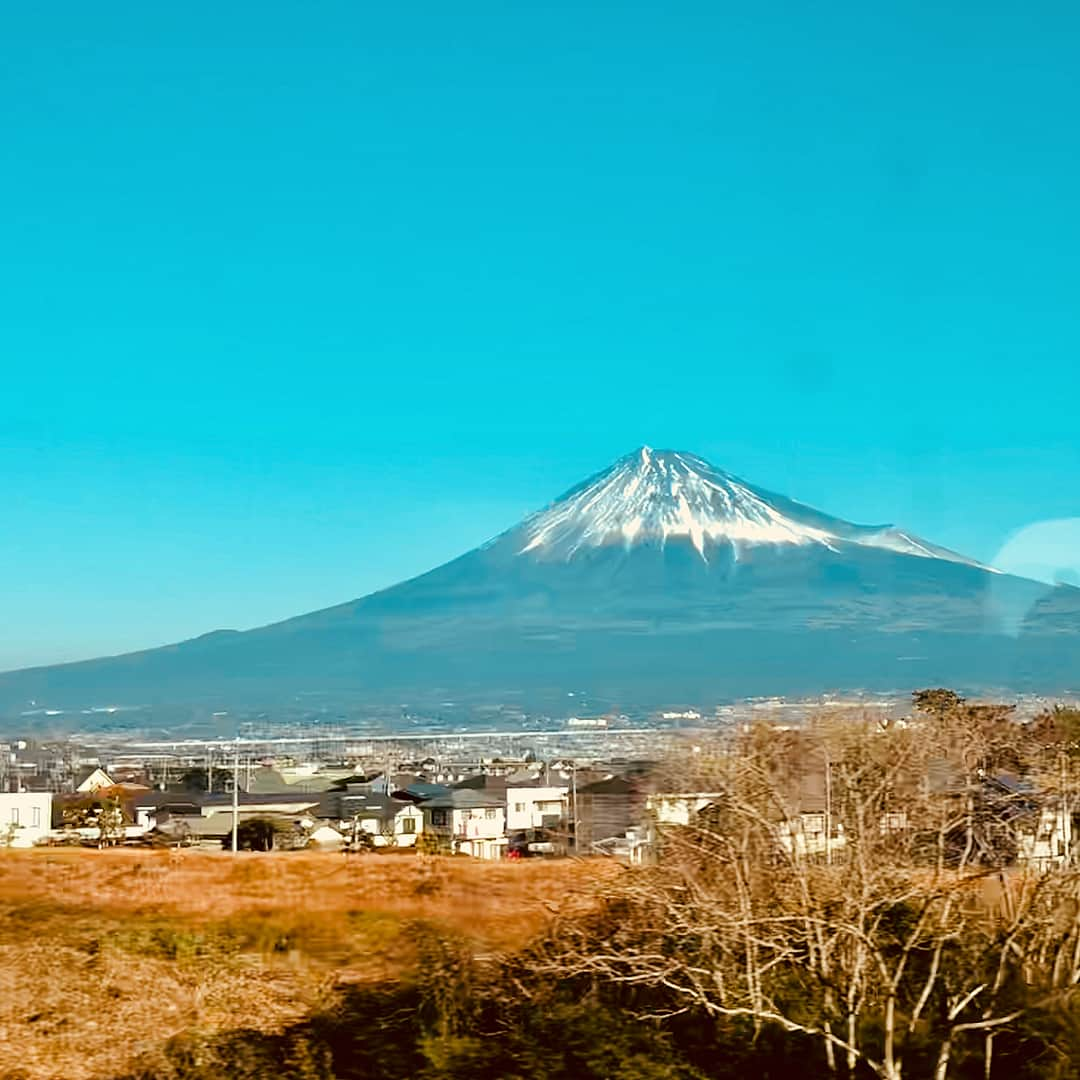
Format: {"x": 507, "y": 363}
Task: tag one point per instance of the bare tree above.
{"x": 887, "y": 936}
{"x": 388, "y": 830}
{"x": 109, "y": 820}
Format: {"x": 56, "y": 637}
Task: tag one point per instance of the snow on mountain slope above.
{"x": 660, "y": 580}
{"x": 651, "y": 495}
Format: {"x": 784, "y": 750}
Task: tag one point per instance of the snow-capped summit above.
{"x": 660, "y": 580}
{"x": 650, "y": 496}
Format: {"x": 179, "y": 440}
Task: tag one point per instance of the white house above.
{"x": 679, "y": 808}
{"x": 389, "y": 822}
{"x": 25, "y": 818}
{"x": 536, "y": 807}
{"x": 636, "y": 847}
{"x": 815, "y": 834}
{"x": 1044, "y": 837}
{"x": 325, "y": 837}
{"x": 397, "y": 825}
{"x": 468, "y": 822}
{"x": 94, "y": 780}
{"x": 802, "y": 834}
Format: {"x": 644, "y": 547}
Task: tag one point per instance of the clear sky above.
{"x": 297, "y": 300}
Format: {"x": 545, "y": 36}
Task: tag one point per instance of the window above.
{"x": 408, "y": 825}
{"x": 438, "y": 817}
{"x": 14, "y": 815}
{"x": 37, "y": 817}
{"x": 519, "y": 808}
{"x": 489, "y": 814}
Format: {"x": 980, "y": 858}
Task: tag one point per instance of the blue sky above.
{"x": 299, "y": 300}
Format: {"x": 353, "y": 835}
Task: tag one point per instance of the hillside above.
{"x": 662, "y": 579}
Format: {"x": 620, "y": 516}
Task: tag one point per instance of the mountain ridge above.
{"x": 660, "y": 578}
{"x": 672, "y": 492}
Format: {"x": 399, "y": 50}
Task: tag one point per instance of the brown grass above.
{"x": 105, "y": 955}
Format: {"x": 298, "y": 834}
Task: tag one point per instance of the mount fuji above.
{"x": 649, "y": 496}
{"x": 662, "y": 579}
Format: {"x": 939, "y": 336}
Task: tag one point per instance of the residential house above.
{"x": 25, "y": 818}
{"x": 258, "y": 831}
{"x": 196, "y": 817}
{"x": 419, "y": 791}
{"x": 104, "y": 815}
{"x": 389, "y": 822}
{"x": 325, "y": 837}
{"x": 607, "y": 808}
{"x": 1044, "y": 827}
{"x": 537, "y": 818}
{"x": 312, "y": 777}
{"x": 636, "y": 846}
{"x": 1011, "y": 820}
{"x": 533, "y": 806}
{"x": 264, "y": 780}
{"x": 467, "y": 822}
{"x": 92, "y": 779}
{"x": 679, "y": 808}
{"x": 289, "y": 803}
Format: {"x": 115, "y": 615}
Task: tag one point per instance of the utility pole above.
{"x": 1066, "y": 812}
{"x": 236, "y": 796}
{"x": 209, "y": 770}
{"x": 573, "y": 803}
{"x": 828, "y": 809}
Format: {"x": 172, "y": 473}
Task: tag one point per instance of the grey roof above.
{"x": 216, "y": 825}
{"x": 224, "y": 798}
{"x": 375, "y": 779}
{"x": 343, "y": 782}
{"x": 347, "y": 804}
{"x": 252, "y": 798}
{"x": 614, "y": 785}
{"x": 373, "y": 800}
{"x": 526, "y": 778}
{"x": 316, "y": 784}
{"x": 420, "y": 791}
{"x": 493, "y": 785}
{"x": 1014, "y": 785}
{"x": 265, "y": 781}
{"x": 462, "y": 799}
{"x": 555, "y": 780}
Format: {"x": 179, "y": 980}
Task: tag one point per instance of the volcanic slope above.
{"x": 662, "y": 579}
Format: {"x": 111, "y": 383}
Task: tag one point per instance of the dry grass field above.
{"x": 104, "y": 955}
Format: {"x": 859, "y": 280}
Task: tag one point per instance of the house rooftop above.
{"x": 493, "y": 785}
{"x": 462, "y": 799}
{"x": 421, "y": 791}
{"x": 613, "y": 785}
{"x": 347, "y": 804}
{"x": 224, "y": 799}
{"x": 216, "y": 826}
